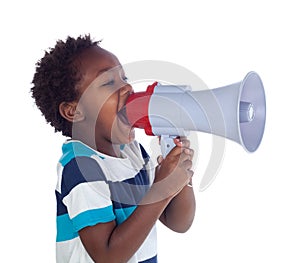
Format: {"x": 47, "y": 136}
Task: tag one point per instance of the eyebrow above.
{"x": 119, "y": 67}
{"x": 98, "y": 75}
{"x": 102, "y": 71}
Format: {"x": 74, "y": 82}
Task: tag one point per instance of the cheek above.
{"x": 90, "y": 104}
{"x": 95, "y": 105}
{"x": 107, "y": 114}
{"x": 108, "y": 107}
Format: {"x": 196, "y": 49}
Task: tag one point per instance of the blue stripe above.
{"x": 93, "y": 217}
{"x": 74, "y": 149}
{"x": 123, "y": 213}
{"x": 80, "y": 170}
{"x": 145, "y": 155}
{"x": 141, "y": 178}
{"x": 124, "y": 194}
{"x": 129, "y": 192}
{"x": 122, "y": 146}
{"x": 65, "y": 230}
{"x": 150, "y": 260}
{"x": 60, "y": 207}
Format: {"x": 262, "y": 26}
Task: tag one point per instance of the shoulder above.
{"x": 78, "y": 164}
{"x": 72, "y": 149}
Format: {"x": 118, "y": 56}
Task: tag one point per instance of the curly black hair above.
{"x": 56, "y": 77}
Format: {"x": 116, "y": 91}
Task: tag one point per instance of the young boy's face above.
{"x": 104, "y": 92}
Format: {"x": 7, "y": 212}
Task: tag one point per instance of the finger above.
{"x": 187, "y": 164}
{"x": 185, "y": 157}
{"x": 190, "y": 173}
{"x": 178, "y": 142}
{"x": 181, "y": 154}
{"x": 182, "y": 142}
{"x": 189, "y": 152}
{"x": 180, "y": 149}
{"x": 182, "y": 138}
{"x": 176, "y": 151}
{"x": 186, "y": 143}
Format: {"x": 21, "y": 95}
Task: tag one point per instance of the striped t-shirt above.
{"x": 96, "y": 188}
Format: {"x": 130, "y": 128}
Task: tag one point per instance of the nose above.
{"x": 126, "y": 90}
{"x": 124, "y": 94}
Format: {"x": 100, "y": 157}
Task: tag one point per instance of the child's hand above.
{"x": 174, "y": 172}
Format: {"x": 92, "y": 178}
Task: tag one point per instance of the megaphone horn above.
{"x": 236, "y": 111}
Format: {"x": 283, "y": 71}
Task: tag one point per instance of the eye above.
{"x": 125, "y": 79}
{"x": 109, "y": 83}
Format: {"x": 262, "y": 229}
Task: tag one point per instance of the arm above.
{"x": 111, "y": 243}
{"x": 180, "y": 212}
{"x": 108, "y": 242}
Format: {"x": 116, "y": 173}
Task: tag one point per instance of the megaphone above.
{"x": 236, "y": 111}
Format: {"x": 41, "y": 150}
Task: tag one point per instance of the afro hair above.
{"x": 55, "y": 80}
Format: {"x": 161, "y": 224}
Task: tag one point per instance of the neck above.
{"x": 109, "y": 148}
{"x": 101, "y": 145}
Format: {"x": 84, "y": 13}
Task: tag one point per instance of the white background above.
{"x": 251, "y": 211}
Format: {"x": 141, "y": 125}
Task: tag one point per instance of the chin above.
{"x": 124, "y": 137}
{"x": 131, "y": 136}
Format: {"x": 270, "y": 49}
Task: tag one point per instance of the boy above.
{"x": 108, "y": 197}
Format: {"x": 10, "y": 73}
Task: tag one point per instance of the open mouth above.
{"x": 123, "y": 116}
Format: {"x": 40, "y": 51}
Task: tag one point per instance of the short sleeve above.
{"x": 85, "y": 193}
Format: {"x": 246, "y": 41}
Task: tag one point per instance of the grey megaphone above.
{"x": 236, "y": 111}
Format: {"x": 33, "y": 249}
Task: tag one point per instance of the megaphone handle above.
{"x": 166, "y": 144}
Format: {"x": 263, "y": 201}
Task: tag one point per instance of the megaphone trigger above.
{"x": 166, "y": 144}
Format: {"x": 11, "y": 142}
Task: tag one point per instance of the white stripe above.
{"x": 59, "y": 169}
{"x": 72, "y": 251}
{"x": 149, "y": 248}
{"x": 87, "y": 196}
{"x": 117, "y": 169}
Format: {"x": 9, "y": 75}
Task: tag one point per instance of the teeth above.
{"x": 123, "y": 116}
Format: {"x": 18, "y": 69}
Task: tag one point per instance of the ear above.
{"x": 70, "y": 111}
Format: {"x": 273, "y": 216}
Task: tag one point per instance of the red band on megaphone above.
{"x": 137, "y": 107}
